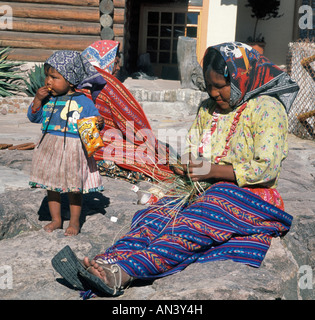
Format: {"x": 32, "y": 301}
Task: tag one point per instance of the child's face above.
{"x": 56, "y": 83}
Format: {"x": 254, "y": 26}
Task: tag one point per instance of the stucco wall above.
{"x": 278, "y": 33}
{"x": 230, "y": 20}
{"x": 221, "y": 21}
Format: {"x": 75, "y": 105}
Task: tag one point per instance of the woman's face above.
{"x": 218, "y": 89}
{"x": 56, "y": 83}
{"x": 116, "y": 67}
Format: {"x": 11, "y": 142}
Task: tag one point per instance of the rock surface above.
{"x": 26, "y": 249}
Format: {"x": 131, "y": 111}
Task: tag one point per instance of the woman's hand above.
{"x": 182, "y": 169}
{"x": 100, "y": 122}
{"x": 200, "y": 170}
{"x": 41, "y": 94}
{"x": 196, "y": 169}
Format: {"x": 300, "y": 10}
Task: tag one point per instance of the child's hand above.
{"x": 41, "y": 94}
{"x": 100, "y": 122}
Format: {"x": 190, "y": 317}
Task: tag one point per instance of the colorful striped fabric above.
{"x": 225, "y": 222}
{"x": 135, "y": 147}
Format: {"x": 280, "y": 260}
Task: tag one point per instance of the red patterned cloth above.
{"x": 102, "y": 54}
{"x": 252, "y": 74}
{"x": 272, "y": 196}
{"x": 127, "y": 134}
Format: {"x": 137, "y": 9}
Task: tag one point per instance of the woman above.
{"x": 126, "y": 126}
{"x": 239, "y": 142}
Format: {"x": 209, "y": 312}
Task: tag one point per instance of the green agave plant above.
{"x": 8, "y": 76}
{"x": 36, "y": 80}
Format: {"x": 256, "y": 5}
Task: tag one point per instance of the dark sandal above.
{"x": 66, "y": 263}
{"x": 99, "y": 284}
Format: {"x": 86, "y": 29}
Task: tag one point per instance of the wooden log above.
{"x": 106, "y": 20}
{"x": 23, "y": 146}
{"x": 45, "y": 40}
{"x": 191, "y": 75}
{"x": 60, "y": 12}
{"x": 85, "y": 3}
{"x": 118, "y": 30}
{"x": 55, "y": 26}
{"x": 119, "y": 15}
{"x": 5, "y": 145}
{"x": 25, "y": 54}
{"x": 121, "y": 41}
{"x": 107, "y": 34}
{"x": 107, "y": 6}
{"x": 119, "y": 3}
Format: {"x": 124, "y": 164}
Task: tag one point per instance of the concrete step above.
{"x": 182, "y": 101}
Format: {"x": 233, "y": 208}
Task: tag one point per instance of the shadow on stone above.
{"x": 93, "y": 203}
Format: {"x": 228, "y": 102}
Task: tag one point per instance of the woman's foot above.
{"x": 103, "y": 272}
{"x": 73, "y": 229}
{"x": 53, "y": 225}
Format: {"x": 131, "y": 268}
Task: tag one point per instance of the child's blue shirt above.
{"x": 80, "y": 107}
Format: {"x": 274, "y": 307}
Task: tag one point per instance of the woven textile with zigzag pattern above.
{"x": 128, "y": 137}
{"x": 225, "y": 222}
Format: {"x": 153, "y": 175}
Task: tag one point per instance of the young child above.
{"x": 60, "y": 163}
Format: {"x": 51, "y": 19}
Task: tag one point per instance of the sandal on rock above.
{"x": 100, "y": 285}
{"x": 66, "y": 263}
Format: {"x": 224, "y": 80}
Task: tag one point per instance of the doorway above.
{"x": 153, "y": 29}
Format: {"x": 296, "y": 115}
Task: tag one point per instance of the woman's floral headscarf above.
{"x": 252, "y": 74}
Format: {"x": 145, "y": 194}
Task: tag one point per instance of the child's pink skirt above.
{"x": 63, "y": 166}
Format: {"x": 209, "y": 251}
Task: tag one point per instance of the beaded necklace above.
{"x": 206, "y": 138}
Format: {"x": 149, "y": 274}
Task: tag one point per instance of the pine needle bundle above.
{"x": 182, "y": 187}
{"x": 179, "y": 187}
{"x": 179, "y": 191}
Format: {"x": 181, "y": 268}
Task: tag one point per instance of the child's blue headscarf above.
{"x": 77, "y": 70}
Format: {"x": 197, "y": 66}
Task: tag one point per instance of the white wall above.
{"x": 277, "y": 32}
{"x": 221, "y": 21}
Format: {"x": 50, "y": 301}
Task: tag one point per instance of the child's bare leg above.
{"x": 75, "y": 201}
{"x": 54, "y": 205}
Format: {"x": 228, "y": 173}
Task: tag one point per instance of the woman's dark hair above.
{"x": 213, "y": 60}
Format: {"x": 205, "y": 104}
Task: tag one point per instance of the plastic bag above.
{"x": 90, "y": 135}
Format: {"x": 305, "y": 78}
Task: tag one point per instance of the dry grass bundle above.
{"x": 179, "y": 190}
{"x": 179, "y": 187}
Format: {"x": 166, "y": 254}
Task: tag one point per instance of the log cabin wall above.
{"x": 41, "y": 27}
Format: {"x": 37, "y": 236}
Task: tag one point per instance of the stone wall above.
{"x": 14, "y": 104}
{"x": 176, "y": 101}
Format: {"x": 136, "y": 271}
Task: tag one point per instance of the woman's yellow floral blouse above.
{"x": 258, "y": 146}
